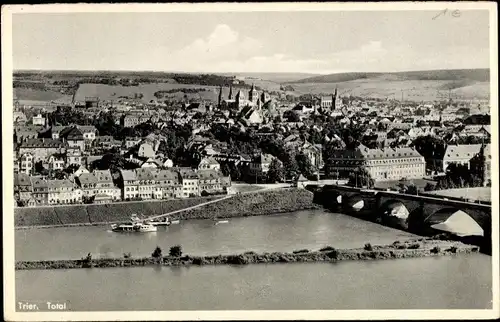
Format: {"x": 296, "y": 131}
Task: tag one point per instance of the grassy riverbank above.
{"x": 251, "y": 204}
{"x": 408, "y": 249}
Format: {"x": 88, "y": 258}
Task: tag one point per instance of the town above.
{"x": 107, "y": 150}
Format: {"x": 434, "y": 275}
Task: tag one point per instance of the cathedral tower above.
{"x": 220, "y": 97}
{"x": 252, "y": 95}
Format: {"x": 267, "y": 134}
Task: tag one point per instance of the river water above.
{"x": 462, "y": 282}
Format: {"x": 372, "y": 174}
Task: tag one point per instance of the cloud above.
{"x": 221, "y": 45}
{"x": 226, "y": 50}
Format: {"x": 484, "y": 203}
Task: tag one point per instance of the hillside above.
{"x": 273, "y": 77}
{"x": 478, "y": 75}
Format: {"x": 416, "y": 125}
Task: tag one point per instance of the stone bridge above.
{"x": 414, "y": 213}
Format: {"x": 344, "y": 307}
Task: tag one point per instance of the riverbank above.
{"x": 248, "y": 204}
{"x": 422, "y": 247}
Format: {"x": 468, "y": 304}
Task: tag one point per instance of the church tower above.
{"x": 230, "y": 92}
{"x": 240, "y": 98}
{"x": 252, "y": 95}
{"x": 264, "y": 97}
{"x": 220, "y": 97}
{"x": 334, "y": 100}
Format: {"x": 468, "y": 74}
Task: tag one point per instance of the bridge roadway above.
{"x": 423, "y": 210}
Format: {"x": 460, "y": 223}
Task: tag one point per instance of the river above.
{"x": 422, "y": 283}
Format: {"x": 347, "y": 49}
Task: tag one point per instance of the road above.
{"x": 189, "y": 208}
{"x": 265, "y": 187}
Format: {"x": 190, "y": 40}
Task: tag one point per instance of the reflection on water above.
{"x": 286, "y": 232}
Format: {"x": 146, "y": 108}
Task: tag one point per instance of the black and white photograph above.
{"x": 250, "y": 161}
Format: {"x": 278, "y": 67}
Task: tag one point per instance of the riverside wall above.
{"x": 255, "y": 204}
{"x": 99, "y": 213}
{"x": 250, "y": 204}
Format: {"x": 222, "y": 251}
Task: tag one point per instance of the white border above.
{"x": 7, "y": 155}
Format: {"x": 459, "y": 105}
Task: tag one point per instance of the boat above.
{"x": 134, "y": 225}
{"x": 221, "y": 222}
{"x": 163, "y": 222}
{"x": 175, "y": 222}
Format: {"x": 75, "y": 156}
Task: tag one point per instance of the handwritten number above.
{"x": 440, "y": 14}
{"x": 454, "y": 14}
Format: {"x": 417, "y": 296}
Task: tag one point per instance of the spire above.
{"x": 230, "y": 92}
{"x": 220, "y": 96}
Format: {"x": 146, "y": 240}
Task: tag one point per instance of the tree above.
{"x": 58, "y": 174}
{"x": 291, "y": 167}
{"x": 276, "y": 172}
{"x": 292, "y": 116}
{"x": 176, "y": 251}
{"x": 71, "y": 168}
{"x": 157, "y": 253}
{"x": 39, "y": 168}
{"x": 429, "y": 187}
{"x": 304, "y": 165}
{"x": 412, "y": 189}
{"x": 88, "y": 199}
{"x": 225, "y": 169}
{"x": 361, "y": 178}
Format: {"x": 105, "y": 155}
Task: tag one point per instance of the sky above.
{"x": 226, "y": 42}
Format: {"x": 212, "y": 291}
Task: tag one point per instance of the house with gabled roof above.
{"x": 23, "y": 187}
{"x": 190, "y": 182}
{"x": 129, "y": 183}
{"x": 208, "y": 163}
{"x": 210, "y": 182}
{"x": 460, "y": 154}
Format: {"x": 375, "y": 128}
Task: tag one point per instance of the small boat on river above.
{"x": 163, "y": 222}
{"x": 135, "y": 225}
{"x": 221, "y": 222}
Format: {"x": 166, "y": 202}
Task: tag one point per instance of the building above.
{"x": 24, "y": 133}
{"x": 39, "y": 120}
{"x": 481, "y": 163}
{"x": 460, "y": 154}
{"x": 40, "y": 190}
{"x": 27, "y": 163}
{"x": 19, "y": 117}
{"x": 260, "y": 164}
{"x": 190, "y": 182}
{"x": 89, "y": 133}
{"x": 105, "y": 186}
{"x": 73, "y": 137}
{"x": 74, "y": 157}
{"x": 208, "y": 163}
{"x": 107, "y": 142}
{"x": 314, "y": 153}
{"x": 59, "y": 192}
{"x": 23, "y": 188}
{"x": 56, "y": 161}
{"x": 88, "y": 184}
{"x": 146, "y": 150}
{"x": 130, "y": 142}
{"x": 146, "y": 183}
{"x": 382, "y": 164}
{"x": 41, "y": 149}
{"x": 210, "y": 182}
{"x": 130, "y": 184}
{"x": 168, "y": 184}
{"x": 92, "y": 102}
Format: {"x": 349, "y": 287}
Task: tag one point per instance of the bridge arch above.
{"x": 455, "y": 221}
{"x": 394, "y": 213}
{"x": 353, "y": 203}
